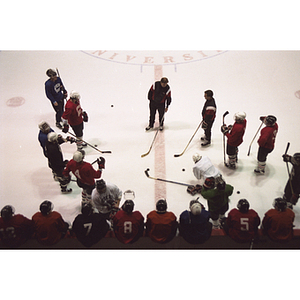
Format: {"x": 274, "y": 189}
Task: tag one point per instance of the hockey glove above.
{"x": 224, "y": 129}
{"x": 71, "y": 139}
{"x": 101, "y": 162}
{"x": 85, "y": 116}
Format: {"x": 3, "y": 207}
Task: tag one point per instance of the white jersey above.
{"x": 204, "y": 168}
{"x": 105, "y": 201}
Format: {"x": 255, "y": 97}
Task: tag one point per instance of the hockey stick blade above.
{"x": 225, "y": 113}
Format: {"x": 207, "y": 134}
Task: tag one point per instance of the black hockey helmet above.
{"x": 51, "y": 73}
{"x": 46, "y": 207}
{"x": 100, "y": 185}
{"x": 128, "y": 206}
{"x": 209, "y": 182}
{"x": 87, "y": 209}
{"x": 296, "y": 159}
{"x": 270, "y": 120}
{"x": 280, "y": 204}
{"x": 161, "y": 206}
{"x": 243, "y": 205}
{"x": 7, "y": 212}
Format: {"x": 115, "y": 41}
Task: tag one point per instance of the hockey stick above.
{"x": 254, "y": 137}
{"x": 224, "y": 115}
{"x": 177, "y": 155}
{"x": 145, "y": 154}
{"x": 90, "y": 144}
{"x": 288, "y": 169}
{"x": 165, "y": 180}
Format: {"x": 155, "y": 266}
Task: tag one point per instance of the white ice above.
{"x": 257, "y": 82}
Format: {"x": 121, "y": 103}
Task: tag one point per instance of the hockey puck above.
{"x": 238, "y": 192}
{"x": 183, "y": 170}
{"x": 112, "y": 105}
{"x": 95, "y": 145}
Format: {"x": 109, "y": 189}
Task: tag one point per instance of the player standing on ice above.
{"x": 208, "y": 116}
{"x": 74, "y": 116}
{"x": 266, "y": 142}
{"x": 43, "y": 135}
{"x": 159, "y": 97}
{"x": 234, "y": 136}
{"x": 292, "y": 187}
{"x": 56, "y": 93}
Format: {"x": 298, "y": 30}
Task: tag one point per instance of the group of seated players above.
{"x": 128, "y": 225}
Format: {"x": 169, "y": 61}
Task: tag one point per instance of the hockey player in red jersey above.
{"x": 74, "y": 116}
{"x": 234, "y": 136}
{"x": 15, "y": 230}
{"x": 208, "y": 116}
{"x": 266, "y": 142}
{"x": 49, "y": 226}
{"x": 278, "y": 222}
{"x": 85, "y": 173}
{"x": 128, "y": 225}
{"x": 161, "y": 225}
{"x": 242, "y": 223}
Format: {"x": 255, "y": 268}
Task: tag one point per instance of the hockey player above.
{"x": 75, "y": 116}
{"x": 266, "y": 142}
{"x": 242, "y": 223}
{"x": 106, "y": 198}
{"x": 194, "y": 225}
{"x": 128, "y": 225}
{"x": 49, "y": 226}
{"x": 161, "y": 225}
{"x": 208, "y": 116}
{"x": 15, "y": 230}
{"x": 159, "y": 97}
{"x": 84, "y": 173}
{"x": 278, "y": 222}
{"x": 89, "y": 226}
{"x": 234, "y": 136}
{"x": 43, "y": 134}
{"x": 55, "y": 159}
{"x": 203, "y": 168}
{"x": 217, "y": 199}
{"x": 292, "y": 187}
{"x": 56, "y": 93}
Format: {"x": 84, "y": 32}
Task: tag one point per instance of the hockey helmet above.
{"x": 87, "y": 209}
{"x": 196, "y": 157}
{"x": 75, "y": 95}
{"x": 7, "y": 212}
{"x": 296, "y": 159}
{"x": 46, "y": 207}
{"x": 52, "y": 137}
{"x": 270, "y": 120}
{"x": 243, "y": 205}
{"x": 129, "y": 195}
{"x": 195, "y": 207}
{"x": 239, "y": 116}
{"x": 161, "y": 206}
{"x": 44, "y": 127}
{"x": 51, "y": 73}
{"x": 280, "y": 204}
{"x": 128, "y": 206}
{"x": 100, "y": 185}
{"x": 78, "y": 156}
{"x": 209, "y": 183}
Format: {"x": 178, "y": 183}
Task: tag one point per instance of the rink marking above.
{"x": 159, "y": 155}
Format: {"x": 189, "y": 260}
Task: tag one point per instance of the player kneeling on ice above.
{"x": 55, "y": 160}
{"x": 217, "y": 197}
{"x": 161, "y": 225}
{"x": 89, "y": 226}
{"x": 128, "y": 225}
{"x": 278, "y": 222}
{"x": 266, "y": 142}
{"x": 85, "y": 173}
{"x": 204, "y": 168}
{"x": 234, "y": 136}
{"x": 75, "y": 116}
{"x": 242, "y": 223}
{"x": 106, "y": 198}
{"x": 292, "y": 187}
{"x": 194, "y": 225}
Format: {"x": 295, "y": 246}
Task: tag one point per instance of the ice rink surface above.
{"x": 113, "y": 87}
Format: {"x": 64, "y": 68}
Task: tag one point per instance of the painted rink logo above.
{"x": 151, "y": 58}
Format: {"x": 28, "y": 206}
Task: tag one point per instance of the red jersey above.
{"x": 161, "y": 227}
{"x": 279, "y": 224}
{"x": 235, "y": 136}
{"x": 15, "y": 231}
{"x": 73, "y": 113}
{"x": 242, "y": 227}
{"x": 48, "y": 229}
{"x": 267, "y": 136}
{"x": 128, "y": 227}
{"x": 84, "y": 171}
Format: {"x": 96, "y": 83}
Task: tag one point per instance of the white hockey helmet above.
{"x": 75, "y": 95}
{"x": 239, "y": 116}
{"x": 78, "y": 156}
{"x": 52, "y": 137}
{"x": 196, "y": 208}
{"x": 196, "y": 157}
{"x": 129, "y": 195}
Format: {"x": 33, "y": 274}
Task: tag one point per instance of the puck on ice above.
{"x": 238, "y": 192}
{"x": 183, "y": 170}
{"x": 112, "y": 105}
